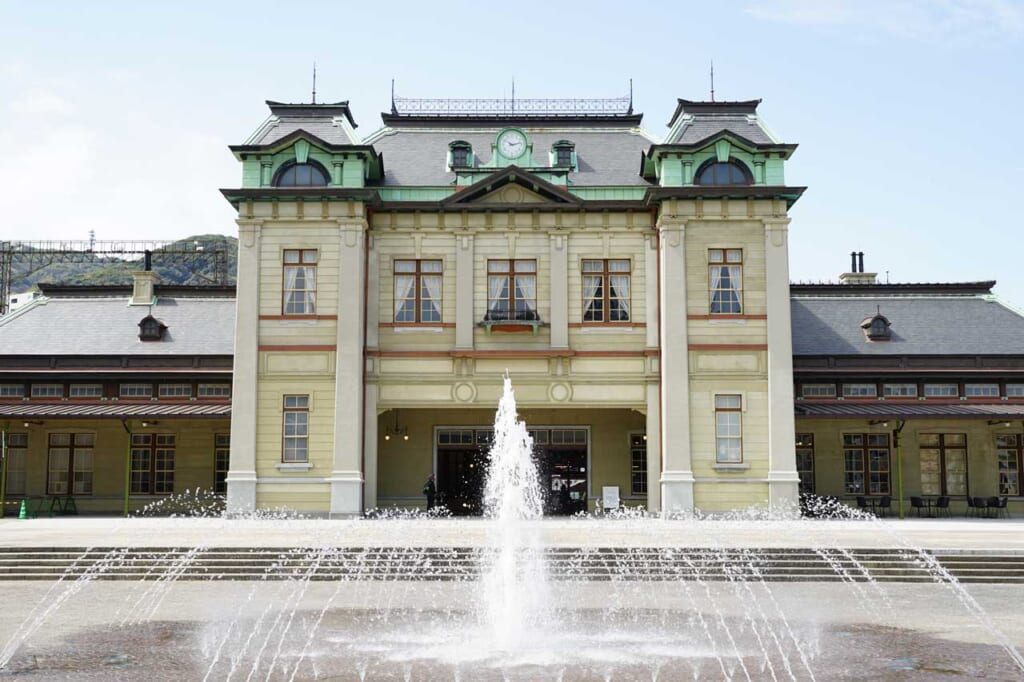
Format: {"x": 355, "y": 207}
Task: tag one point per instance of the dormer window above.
{"x": 310, "y": 174}
{"x": 876, "y": 328}
{"x": 563, "y": 154}
{"x": 461, "y": 154}
{"x": 727, "y": 173}
{"x": 151, "y": 329}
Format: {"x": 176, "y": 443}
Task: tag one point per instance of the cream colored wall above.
{"x": 193, "y": 458}
{"x": 724, "y": 496}
{"x": 269, "y": 424}
{"x": 404, "y": 465}
{"x": 754, "y": 425}
{"x": 982, "y": 462}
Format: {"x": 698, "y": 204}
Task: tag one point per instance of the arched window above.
{"x": 309, "y": 174}
{"x": 877, "y": 328}
{"x": 728, "y": 173}
{"x": 151, "y": 329}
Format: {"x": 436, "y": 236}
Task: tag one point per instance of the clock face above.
{"x": 512, "y": 144}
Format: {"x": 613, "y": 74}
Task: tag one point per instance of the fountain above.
{"x": 511, "y": 596}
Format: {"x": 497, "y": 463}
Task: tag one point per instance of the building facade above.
{"x": 115, "y": 398}
{"x": 636, "y": 290}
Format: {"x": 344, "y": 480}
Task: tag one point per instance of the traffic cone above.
{"x": 23, "y": 512}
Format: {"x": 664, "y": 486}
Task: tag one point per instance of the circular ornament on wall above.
{"x": 464, "y": 392}
{"x": 560, "y": 392}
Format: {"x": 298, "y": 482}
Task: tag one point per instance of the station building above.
{"x": 635, "y": 288}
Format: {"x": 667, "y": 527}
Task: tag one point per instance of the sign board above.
{"x": 610, "y": 497}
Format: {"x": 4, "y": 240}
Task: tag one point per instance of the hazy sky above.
{"x": 116, "y": 116}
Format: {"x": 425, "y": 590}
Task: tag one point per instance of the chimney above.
{"x": 142, "y": 284}
{"x": 857, "y": 274}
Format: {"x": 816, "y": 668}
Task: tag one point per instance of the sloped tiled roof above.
{"x": 897, "y": 409}
{"x": 703, "y": 127}
{"x": 109, "y": 326}
{"x": 275, "y": 128}
{"x": 89, "y": 409}
{"x": 416, "y": 156}
{"x": 921, "y": 325}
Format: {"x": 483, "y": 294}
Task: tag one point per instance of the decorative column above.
{"x": 783, "y": 480}
{"x": 346, "y": 479}
{"x": 559, "y": 322}
{"x": 370, "y": 447}
{"x": 241, "y": 477}
{"x": 464, "y": 322}
{"x": 677, "y": 472}
{"x": 653, "y": 415}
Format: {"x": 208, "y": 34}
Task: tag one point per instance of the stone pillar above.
{"x": 370, "y": 448}
{"x": 677, "y": 472}
{"x": 559, "y": 322}
{"x": 346, "y": 478}
{"x": 241, "y": 478}
{"x": 653, "y": 448}
{"x": 464, "y": 321}
{"x": 783, "y": 480}
{"x": 653, "y": 340}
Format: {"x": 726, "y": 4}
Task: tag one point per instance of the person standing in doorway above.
{"x": 430, "y": 490}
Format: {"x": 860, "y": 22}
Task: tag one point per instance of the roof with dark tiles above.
{"x": 921, "y": 325}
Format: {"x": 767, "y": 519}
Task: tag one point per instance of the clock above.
{"x": 512, "y": 144}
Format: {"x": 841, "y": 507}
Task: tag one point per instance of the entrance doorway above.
{"x": 561, "y": 454}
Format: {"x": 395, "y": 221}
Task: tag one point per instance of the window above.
{"x": 718, "y": 173}
{"x": 876, "y": 328}
{"x": 818, "y": 390}
{"x": 12, "y": 390}
{"x": 943, "y": 463}
{"x": 85, "y": 391}
{"x": 309, "y": 174}
{"x": 299, "y": 282}
{"x": 151, "y": 329}
{"x": 805, "y": 461}
{"x": 152, "y": 463}
{"x": 1015, "y": 390}
{"x": 221, "y": 461}
{"x": 941, "y": 391}
{"x": 900, "y": 390}
{"x": 728, "y": 429}
{"x": 461, "y": 154}
{"x": 296, "y": 429}
{"x": 47, "y": 391}
{"x": 512, "y": 290}
{"x": 214, "y": 390}
{"x": 1010, "y": 452}
{"x": 17, "y": 447}
{"x": 981, "y": 390}
{"x": 562, "y": 153}
{"x": 860, "y": 390}
{"x": 866, "y": 460}
{"x": 638, "y": 464}
{"x": 136, "y": 390}
{"x": 725, "y": 268}
{"x": 418, "y": 291}
{"x": 175, "y": 391}
{"x": 69, "y": 467}
{"x": 606, "y": 290}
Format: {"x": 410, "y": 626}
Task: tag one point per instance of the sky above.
{"x": 116, "y": 116}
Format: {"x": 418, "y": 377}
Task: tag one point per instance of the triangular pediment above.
{"x": 511, "y": 186}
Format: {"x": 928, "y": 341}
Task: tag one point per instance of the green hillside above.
{"x": 195, "y": 268}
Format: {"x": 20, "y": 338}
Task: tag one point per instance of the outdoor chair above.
{"x": 862, "y": 502}
{"x": 998, "y": 506}
{"x": 917, "y": 504}
{"x": 884, "y": 505}
{"x": 981, "y": 506}
{"x": 1002, "y": 509}
{"x": 942, "y": 505}
{"x": 971, "y": 509}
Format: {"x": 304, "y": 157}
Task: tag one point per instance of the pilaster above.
{"x": 783, "y": 479}
{"x": 559, "y": 322}
{"x": 677, "y": 471}
{"x": 653, "y": 448}
{"x": 370, "y": 447}
{"x": 346, "y": 477}
{"x": 464, "y": 322}
{"x": 241, "y": 477}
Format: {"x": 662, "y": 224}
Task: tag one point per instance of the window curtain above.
{"x": 300, "y": 284}
{"x": 526, "y": 296}
{"x": 497, "y": 297}
{"x": 725, "y": 283}
{"x": 405, "y": 298}
{"x": 591, "y": 306}
{"x": 430, "y": 299}
{"x": 619, "y": 293}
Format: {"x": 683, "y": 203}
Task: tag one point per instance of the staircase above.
{"x": 572, "y": 563}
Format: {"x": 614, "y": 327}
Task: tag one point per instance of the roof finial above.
{"x": 394, "y": 110}
{"x": 630, "y": 96}
{"x": 712, "y": 80}
{"x": 314, "y": 81}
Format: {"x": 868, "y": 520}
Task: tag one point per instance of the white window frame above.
{"x": 174, "y": 390}
{"x": 903, "y": 390}
{"x": 860, "y": 390}
{"x": 941, "y": 390}
{"x": 1015, "y": 390}
{"x": 981, "y": 390}
{"x": 295, "y": 445}
{"x": 135, "y": 390}
{"x": 728, "y": 426}
{"x": 214, "y": 390}
{"x": 47, "y": 391}
{"x": 85, "y": 391}
{"x": 12, "y": 390}
{"x": 817, "y": 390}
